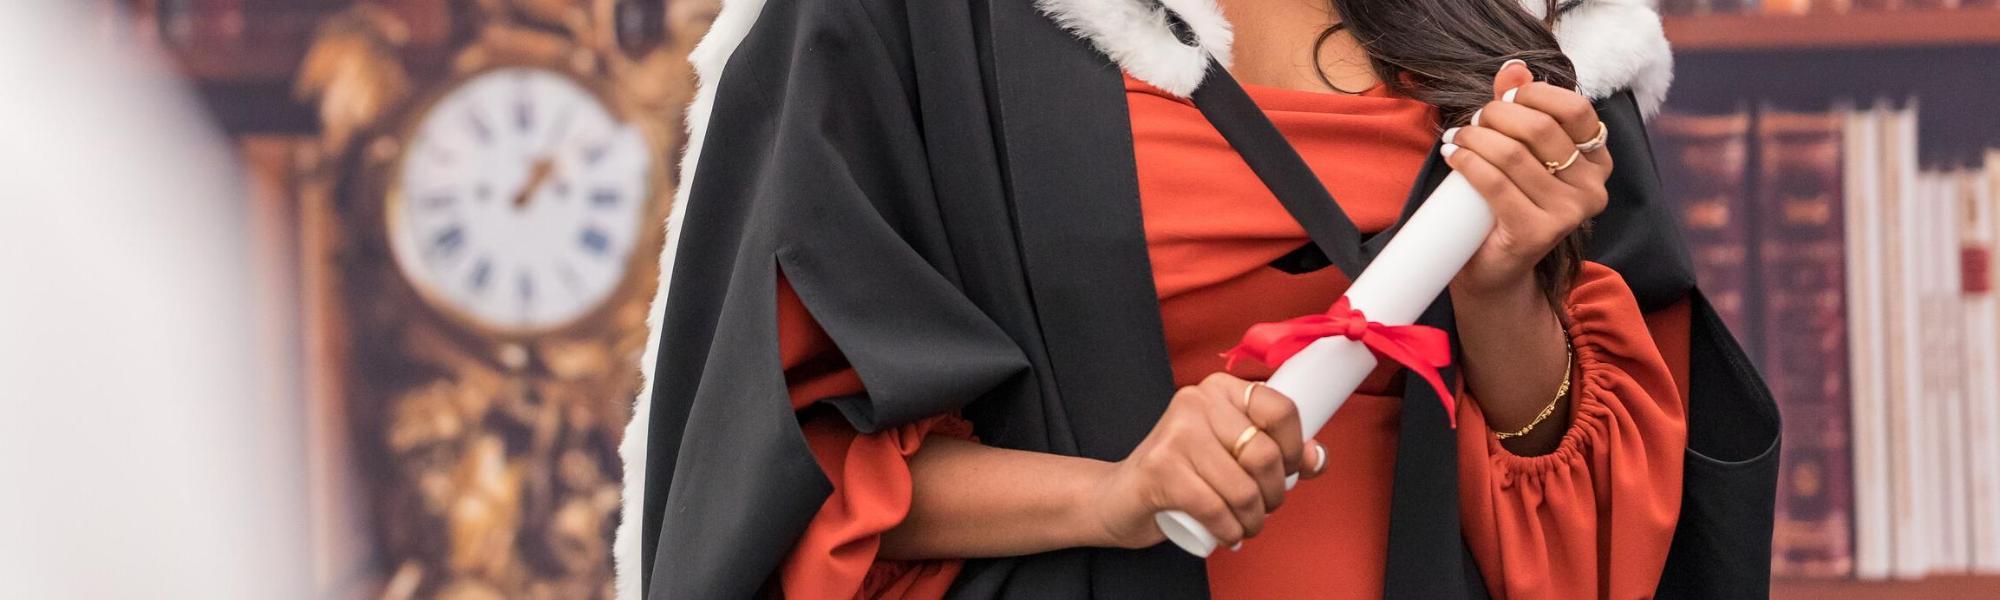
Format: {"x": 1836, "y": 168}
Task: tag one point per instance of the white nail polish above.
{"x": 1236, "y": 548}
{"x": 1512, "y": 61}
{"x": 1475, "y": 116}
{"x": 1450, "y": 133}
{"x": 1448, "y": 149}
{"x": 1509, "y": 96}
{"x": 1322, "y": 459}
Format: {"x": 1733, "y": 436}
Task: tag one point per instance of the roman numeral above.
{"x": 604, "y": 197}
{"x": 479, "y": 128}
{"x": 447, "y": 242}
{"x": 482, "y": 274}
{"x": 594, "y": 240}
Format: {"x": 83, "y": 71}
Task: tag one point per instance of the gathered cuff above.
{"x": 1616, "y": 362}
{"x": 1588, "y": 415}
{"x": 838, "y": 554}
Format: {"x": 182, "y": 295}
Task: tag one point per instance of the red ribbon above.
{"x": 1422, "y": 349}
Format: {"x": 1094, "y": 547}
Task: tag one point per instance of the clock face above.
{"x": 519, "y": 201}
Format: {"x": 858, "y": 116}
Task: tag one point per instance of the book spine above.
{"x": 1704, "y": 162}
{"x": 1907, "y": 465}
{"x": 1982, "y": 339}
{"x": 1867, "y": 343}
{"x": 1948, "y": 379}
{"x": 1805, "y": 334}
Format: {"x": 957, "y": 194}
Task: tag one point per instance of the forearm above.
{"x": 1514, "y": 359}
{"x": 973, "y": 501}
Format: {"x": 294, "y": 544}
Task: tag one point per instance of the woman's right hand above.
{"x": 1186, "y": 464}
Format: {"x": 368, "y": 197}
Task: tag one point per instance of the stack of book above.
{"x": 1863, "y": 284}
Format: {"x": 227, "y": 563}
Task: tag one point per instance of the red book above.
{"x": 1801, "y": 246}
{"x": 1702, "y": 161}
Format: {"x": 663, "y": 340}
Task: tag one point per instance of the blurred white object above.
{"x": 137, "y": 458}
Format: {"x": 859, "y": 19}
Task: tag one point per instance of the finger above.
{"x": 1515, "y": 161}
{"x": 1316, "y": 460}
{"x": 1538, "y": 131}
{"x": 1512, "y": 74}
{"x": 1261, "y": 462}
{"x": 1575, "y": 114}
{"x": 1193, "y": 495}
{"x": 1236, "y": 489}
{"x": 1219, "y": 396}
{"x": 1274, "y": 413}
{"x": 1508, "y": 203}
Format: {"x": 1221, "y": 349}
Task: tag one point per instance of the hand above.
{"x": 537, "y": 174}
{"x": 1185, "y": 464}
{"x": 1502, "y": 153}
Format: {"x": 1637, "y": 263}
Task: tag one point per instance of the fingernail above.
{"x": 1511, "y": 62}
{"x": 1509, "y": 96}
{"x": 1475, "y": 116}
{"x": 1450, "y": 133}
{"x": 1236, "y": 548}
{"x": 1448, "y": 149}
{"x": 1321, "y": 448}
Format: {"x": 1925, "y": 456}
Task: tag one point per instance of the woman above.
{"x": 953, "y": 281}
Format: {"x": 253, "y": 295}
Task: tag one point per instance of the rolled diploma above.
{"x": 1394, "y": 290}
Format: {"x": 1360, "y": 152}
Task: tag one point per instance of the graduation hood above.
{"x": 1614, "y": 44}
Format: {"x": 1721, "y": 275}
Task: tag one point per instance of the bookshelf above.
{"x": 1951, "y": 587}
{"x": 1942, "y": 56}
{"x": 1850, "y": 30}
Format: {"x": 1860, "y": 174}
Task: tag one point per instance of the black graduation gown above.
{"x": 950, "y": 188}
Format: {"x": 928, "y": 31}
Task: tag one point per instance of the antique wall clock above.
{"x": 519, "y": 199}
{"x": 491, "y": 206}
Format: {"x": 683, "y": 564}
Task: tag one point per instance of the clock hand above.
{"x": 536, "y": 175}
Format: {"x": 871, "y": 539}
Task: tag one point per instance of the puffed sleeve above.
{"x": 1594, "y": 518}
{"x": 836, "y": 556}
{"x": 812, "y": 165}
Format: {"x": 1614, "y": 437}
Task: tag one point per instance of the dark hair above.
{"x": 1445, "y": 52}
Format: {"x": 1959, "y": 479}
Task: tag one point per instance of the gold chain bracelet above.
{"x": 1569, "y": 364}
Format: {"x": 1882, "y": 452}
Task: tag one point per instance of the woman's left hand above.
{"x": 1507, "y": 153}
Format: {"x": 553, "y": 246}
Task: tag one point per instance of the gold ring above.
{"x": 1557, "y": 167}
{"x": 1591, "y": 145}
{"x": 1249, "y": 391}
{"x": 1243, "y": 441}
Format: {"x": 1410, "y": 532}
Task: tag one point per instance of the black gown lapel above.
{"x": 1075, "y": 194}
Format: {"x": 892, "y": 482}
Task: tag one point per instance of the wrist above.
{"x": 1082, "y": 510}
{"x": 1509, "y": 296}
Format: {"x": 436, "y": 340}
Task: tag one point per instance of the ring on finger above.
{"x": 1243, "y": 441}
{"x": 1597, "y": 141}
{"x": 1250, "y": 391}
{"x": 1557, "y": 167}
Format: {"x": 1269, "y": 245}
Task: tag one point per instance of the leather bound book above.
{"x": 1703, "y": 162}
{"x": 1804, "y": 321}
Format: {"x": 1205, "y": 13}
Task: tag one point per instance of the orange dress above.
{"x": 1592, "y": 519}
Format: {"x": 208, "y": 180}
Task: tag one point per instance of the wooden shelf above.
{"x": 1889, "y": 29}
{"x": 1933, "y": 588}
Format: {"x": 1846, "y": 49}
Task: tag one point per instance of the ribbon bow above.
{"x": 1423, "y": 350}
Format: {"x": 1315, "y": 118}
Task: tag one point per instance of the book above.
{"x": 1978, "y": 232}
{"x": 1704, "y": 162}
{"x": 1908, "y": 464}
{"x": 1804, "y": 324}
{"x": 1943, "y": 314}
{"x": 1867, "y": 346}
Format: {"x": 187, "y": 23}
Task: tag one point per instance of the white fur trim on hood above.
{"x": 1615, "y": 44}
